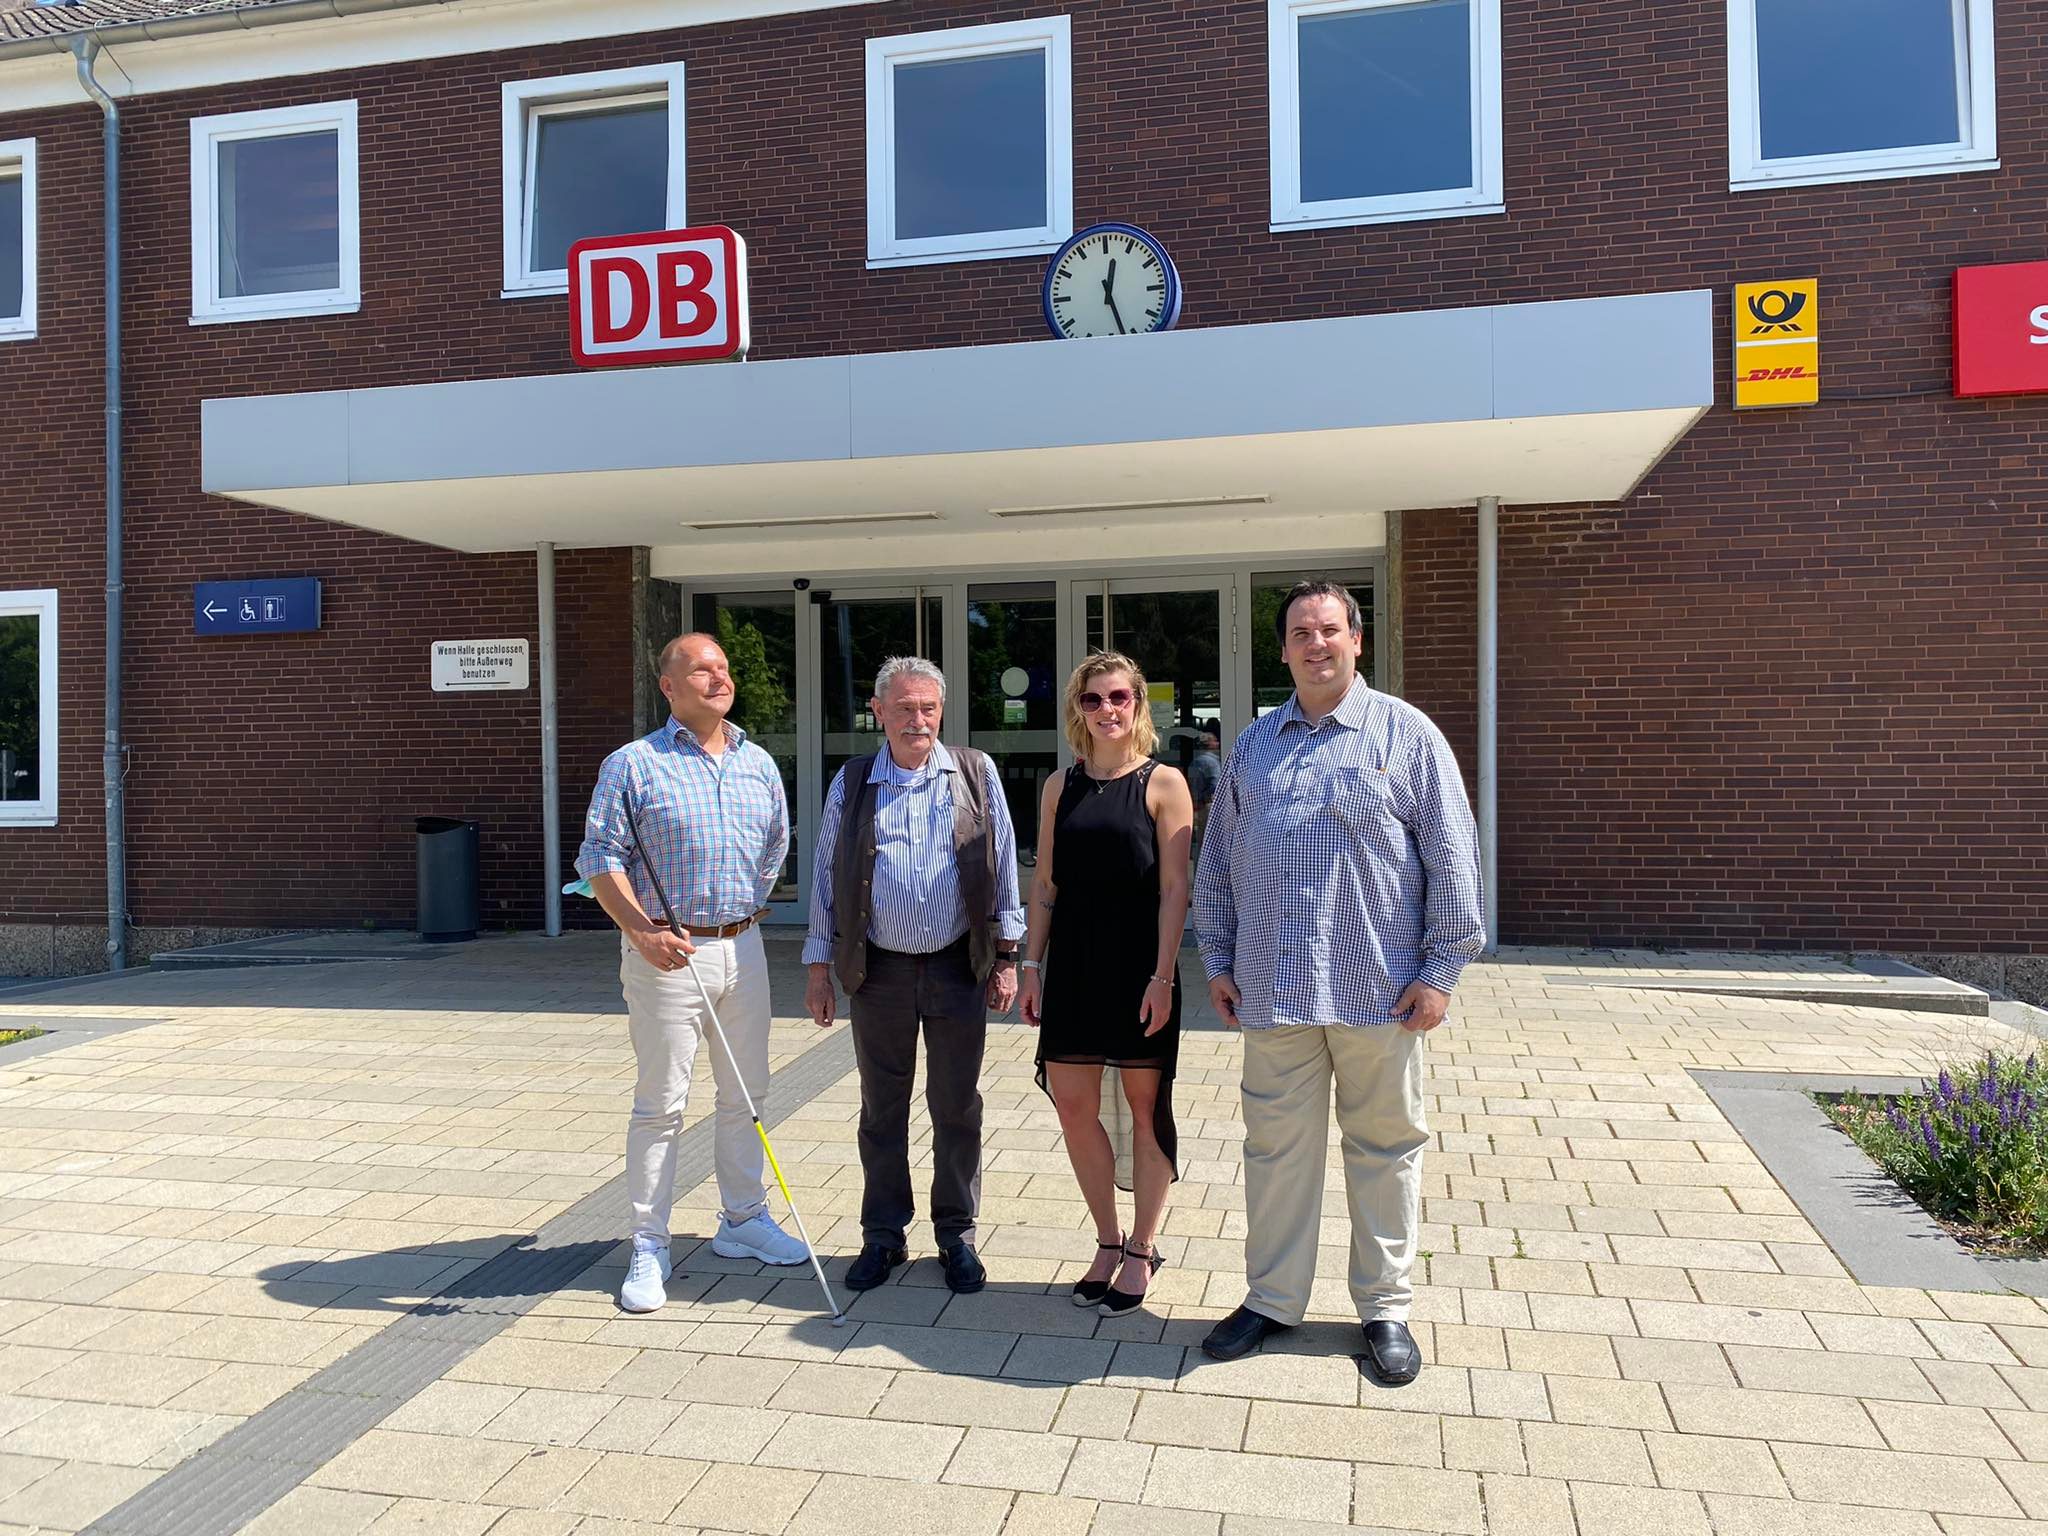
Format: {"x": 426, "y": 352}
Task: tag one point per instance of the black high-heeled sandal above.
{"x": 1116, "y": 1303}
{"x": 1089, "y": 1293}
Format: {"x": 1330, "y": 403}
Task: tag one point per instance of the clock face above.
{"x": 1111, "y": 281}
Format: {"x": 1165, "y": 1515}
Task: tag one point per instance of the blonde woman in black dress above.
{"x": 1100, "y": 978}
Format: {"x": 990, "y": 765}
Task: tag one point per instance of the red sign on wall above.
{"x": 2002, "y": 329}
{"x": 676, "y": 296}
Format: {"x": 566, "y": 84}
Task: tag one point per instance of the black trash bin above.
{"x": 447, "y": 879}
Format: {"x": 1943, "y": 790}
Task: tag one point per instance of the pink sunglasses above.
{"x": 1119, "y": 698}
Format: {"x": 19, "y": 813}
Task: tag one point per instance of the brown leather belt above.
{"x": 727, "y": 930}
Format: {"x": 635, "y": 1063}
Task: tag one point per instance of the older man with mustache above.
{"x": 914, "y": 909}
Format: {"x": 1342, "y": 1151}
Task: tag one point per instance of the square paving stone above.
{"x": 846, "y": 1505}
{"x": 1290, "y": 1487}
{"x": 407, "y": 1465}
{"x": 818, "y": 1443}
{"x": 1008, "y": 1458}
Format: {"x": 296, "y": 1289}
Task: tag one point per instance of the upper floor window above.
{"x": 970, "y": 142}
{"x": 1384, "y": 110}
{"x": 17, "y": 239}
{"x": 595, "y": 154}
{"x": 274, "y": 219}
{"x": 28, "y": 708}
{"x": 1858, "y": 90}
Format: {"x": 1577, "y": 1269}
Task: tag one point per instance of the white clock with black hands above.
{"x": 1111, "y": 280}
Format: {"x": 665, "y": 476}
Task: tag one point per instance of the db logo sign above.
{"x": 677, "y": 296}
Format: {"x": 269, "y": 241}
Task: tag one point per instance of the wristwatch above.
{"x": 1009, "y": 955}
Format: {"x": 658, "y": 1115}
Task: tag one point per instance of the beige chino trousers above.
{"x": 665, "y": 1014}
{"x": 1287, "y": 1077}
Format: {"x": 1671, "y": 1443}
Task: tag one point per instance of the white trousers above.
{"x": 666, "y": 1014}
{"x": 1287, "y": 1077}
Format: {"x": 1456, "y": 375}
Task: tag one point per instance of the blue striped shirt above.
{"x": 716, "y": 828}
{"x": 917, "y": 880}
{"x": 1340, "y": 864}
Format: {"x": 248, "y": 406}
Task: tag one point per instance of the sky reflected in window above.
{"x": 280, "y": 214}
{"x": 1386, "y": 101}
{"x": 970, "y": 145}
{"x": 1837, "y": 76}
{"x": 598, "y": 173}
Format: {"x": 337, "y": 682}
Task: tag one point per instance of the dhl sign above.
{"x": 1777, "y": 343}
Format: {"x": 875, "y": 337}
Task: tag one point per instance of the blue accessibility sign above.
{"x": 282, "y": 605}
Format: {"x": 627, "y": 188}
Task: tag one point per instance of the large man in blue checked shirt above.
{"x": 714, "y": 826}
{"x": 1336, "y": 901}
{"x": 914, "y": 908}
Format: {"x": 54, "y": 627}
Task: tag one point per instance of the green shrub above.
{"x": 1974, "y": 1151}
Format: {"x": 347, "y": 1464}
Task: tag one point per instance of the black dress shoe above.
{"x": 1390, "y": 1351}
{"x": 874, "y": 1265}
{"x": 964, "y": 1274}
{"x": 1239, "y": 1334}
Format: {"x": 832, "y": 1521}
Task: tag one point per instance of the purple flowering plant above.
{"x": 1973, "y": 1149}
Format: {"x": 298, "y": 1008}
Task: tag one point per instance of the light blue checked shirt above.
{"x": 1340, "y": 864}
{"x": 716, "y": 827}
{"x": 917, "y": 881}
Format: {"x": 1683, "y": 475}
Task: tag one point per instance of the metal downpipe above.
{"x": 1489, "y": 713}
{"x": 112, "y": 754}
{"x": 550, "y": 745}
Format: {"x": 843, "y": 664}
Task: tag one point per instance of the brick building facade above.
{"x": 1785, "y": 694}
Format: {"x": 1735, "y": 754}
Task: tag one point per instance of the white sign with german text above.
{"x": 480, "y": 666}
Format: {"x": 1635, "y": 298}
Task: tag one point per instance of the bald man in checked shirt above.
{"x": 1336, "y": 901}
{"x": 710, "y": 806}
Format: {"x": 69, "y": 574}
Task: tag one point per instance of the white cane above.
{"x": 838, "y": 1312}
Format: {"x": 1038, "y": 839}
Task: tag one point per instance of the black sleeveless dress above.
{"x": 1103, "y": 945}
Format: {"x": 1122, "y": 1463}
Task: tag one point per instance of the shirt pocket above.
{"x": 1362, "y": 800}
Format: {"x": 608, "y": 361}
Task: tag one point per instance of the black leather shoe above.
{"x": 1239, "y": 1334}
{"x": 964, "y": 1274}
{"x": 1390, "y": 1351}
{"x": 873, "y": 1266}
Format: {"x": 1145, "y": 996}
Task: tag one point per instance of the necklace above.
{"x": 1102, "y": 782}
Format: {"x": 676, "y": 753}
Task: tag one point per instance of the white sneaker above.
{"x": 759, "y": 1239}
{"x": 643, "y": 1290}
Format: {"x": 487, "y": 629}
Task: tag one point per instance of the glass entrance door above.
{"x": 1174, "y": 631}
{"x": 1181, "y": 636}
{"x": 804, "y": 664}
{"x": 758, "y": 632}
{"x": 1012, "y": 706}
{"x": 856, "y": 634}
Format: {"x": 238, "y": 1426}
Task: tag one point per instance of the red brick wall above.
{"x": 1780, "y": 696}
{"x": 271, "y": 781}
{"x": 1802, "y": 708}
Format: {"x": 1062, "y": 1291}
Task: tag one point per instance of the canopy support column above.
{"x": 550, "y": 744}
{"x": 1489, "y": 713}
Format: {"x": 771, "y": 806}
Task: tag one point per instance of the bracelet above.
{"x": 1164, "y": 981}
{"x": 1031, "y": 965}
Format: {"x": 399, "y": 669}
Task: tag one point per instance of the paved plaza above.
{"x": 267, "y": 1262}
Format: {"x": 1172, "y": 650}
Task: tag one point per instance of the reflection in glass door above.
{"x": 1012, "y": 708}
{"x": 1177, "y": 638}
{"x": 1272, "y": 683}
{"x": 757, "y": 631}
{"x": 855, "y": 636}
{"x": 1175, "y": 632}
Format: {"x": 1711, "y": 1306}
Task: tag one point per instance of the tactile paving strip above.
{"x": 232, "y": 1481}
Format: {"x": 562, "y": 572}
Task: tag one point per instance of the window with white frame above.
{"x": 17, "y": 239}
{"x": 28, "y": 708}
{"x": 1858, "y": 90}
{"x": 274, "y": 215}
{"x": 970, "y": 142}
{"x": 1384, "y": 110}
{"x": 592, "y": 154}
